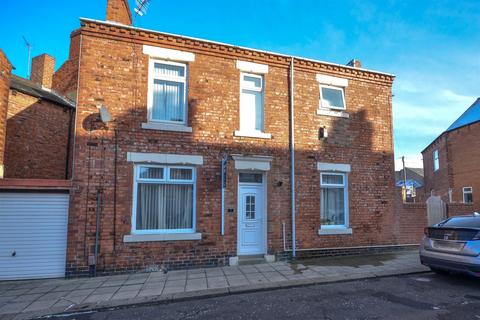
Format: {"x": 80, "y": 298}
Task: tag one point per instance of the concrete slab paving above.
{"x": 42, "y": 297}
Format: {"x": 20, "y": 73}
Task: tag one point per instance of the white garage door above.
{"x": 33, "y": 235}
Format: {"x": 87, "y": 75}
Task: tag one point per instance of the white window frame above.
{"x": 152, "y": 78}
{"x": 166, "y": 180}
{"x": 464, "y": 189}
{"x": 252, "y": 133}
{"x": 436, "y": 160}
{"x": 322, "y": 104}
{"x": 344, "y": 185}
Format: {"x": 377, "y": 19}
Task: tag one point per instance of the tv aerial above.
{"x": 29, "y": 49}
{"x": 142, "y": 7}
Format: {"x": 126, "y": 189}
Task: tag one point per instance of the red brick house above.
{"x": 451, "y": 161}
{"x": 177, "y": 106}
{"x": 185, "y": 152}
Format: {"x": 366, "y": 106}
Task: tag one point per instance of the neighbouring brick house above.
{"x": 37, "y": 125}
{"x": 451, "y": 161}
{"x": 178, "y": 106}
{"x": 36, "y": 140}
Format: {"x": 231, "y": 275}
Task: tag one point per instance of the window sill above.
{"x": 166, "y": 127}
{"x": 161, "y": 237}
{"x": 333, "y": 231}
{"x": 254, "y": 134}
{"x": 332, "y": 113}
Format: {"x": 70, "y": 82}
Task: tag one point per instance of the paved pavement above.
{"x": 27, "y": 299}
{"x": 408, "y": 297}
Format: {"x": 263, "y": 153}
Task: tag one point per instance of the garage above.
{"x": 33, "y": 235}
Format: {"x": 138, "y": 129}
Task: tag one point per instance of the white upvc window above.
{"x": 167, "y": 92}
{"x": 333, "y": 200}
{"x": 251, "y": 103}
{"x": 467, "y": 194}
{"x": 436, "y": 161}
{"x": 332, "y": 97}
{"x": 163, "y": 199}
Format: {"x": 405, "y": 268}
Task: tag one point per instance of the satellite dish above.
{"x": 105, "y": 115}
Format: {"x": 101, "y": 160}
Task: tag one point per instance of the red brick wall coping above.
{"x": 35, "y": 184}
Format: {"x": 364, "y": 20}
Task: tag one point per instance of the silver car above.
{"x": 453, "y": 245}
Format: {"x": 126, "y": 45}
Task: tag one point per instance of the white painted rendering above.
{"x": 164, "y": 158}
{"x": 332, "y": 81}
{"x": 259, "y": 163}
{"x": 333, "y": 167}
{"x": 252, "y": 67}
{"x": 233, "y": 261}
{"x": 33, "y": 235}
{"x": 168, "y": 54}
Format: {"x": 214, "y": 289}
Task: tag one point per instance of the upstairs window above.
{"x": 467, "y": 194}
{"x": 332, "y": 97}
{"x": 436, "y": 161}
{"x": 251, "y": 103}
{"x": 168, "y": 92}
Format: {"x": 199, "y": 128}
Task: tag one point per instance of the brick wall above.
{"x": 5, "y": 70}
{"x": 113, "y": 72}
{"x": 37, "y": 138}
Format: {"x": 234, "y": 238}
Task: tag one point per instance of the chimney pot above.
{"x": 355, "y": 63}
{"x": 43, "y": 67}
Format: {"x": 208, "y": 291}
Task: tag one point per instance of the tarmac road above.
{"x": 419, "y": 296}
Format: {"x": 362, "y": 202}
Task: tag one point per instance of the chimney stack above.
{"x": 355, "y": 63}
{"x": 119, "y": 11}
{"x": 43, "y": 67}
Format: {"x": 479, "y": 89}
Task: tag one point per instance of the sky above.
{"x": 433, "y": 47}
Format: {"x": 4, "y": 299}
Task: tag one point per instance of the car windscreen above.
{"x": 461, "y": 222}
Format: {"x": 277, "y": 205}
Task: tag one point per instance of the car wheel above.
{"x": 439, "y": 271}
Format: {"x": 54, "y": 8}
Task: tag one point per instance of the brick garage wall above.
{"x": 37, "y": 138}
{"x": 5, "y": 71}
{"x": 113, "y": 72}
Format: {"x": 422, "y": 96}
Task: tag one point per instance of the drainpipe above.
{"x": 292, "y": 157}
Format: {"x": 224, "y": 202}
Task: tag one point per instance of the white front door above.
{"x": 251, "y": 219}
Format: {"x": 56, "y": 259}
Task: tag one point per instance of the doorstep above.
{"x": 27, "y": 299}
